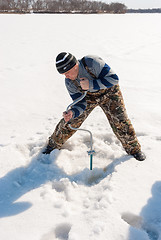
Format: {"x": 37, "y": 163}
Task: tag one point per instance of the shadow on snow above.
{"x": 21, "y": 180}
{"x": 147, "y": 226}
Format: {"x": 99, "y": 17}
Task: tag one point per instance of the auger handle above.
{"x": 91, "y": 161}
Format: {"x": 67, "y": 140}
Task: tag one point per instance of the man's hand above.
{"x": 84, "y": 83}
{"x": 67, "y": 115}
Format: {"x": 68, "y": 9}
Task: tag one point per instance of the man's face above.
{"x": 72, "y": 73}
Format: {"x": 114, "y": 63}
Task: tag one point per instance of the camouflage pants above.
{"x": 112, "y": 103}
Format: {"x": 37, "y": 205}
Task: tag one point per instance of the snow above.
{"x": 120, "y": 198}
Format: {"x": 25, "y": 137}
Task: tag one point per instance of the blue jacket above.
{"x": 105, "y": 78}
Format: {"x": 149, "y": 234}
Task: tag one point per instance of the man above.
{"x": 93, "y": 75}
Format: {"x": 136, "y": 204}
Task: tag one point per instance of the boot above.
{"x": 48, "y": 150}
{"x": 140, "y": 156}
{"x": 51, "y": 146}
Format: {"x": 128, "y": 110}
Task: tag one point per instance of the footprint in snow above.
{"x": 60, "y": 232}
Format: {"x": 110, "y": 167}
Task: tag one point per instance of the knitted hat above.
{"x": 65, "y": 61}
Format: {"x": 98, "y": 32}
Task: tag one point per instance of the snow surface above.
{"x": 120, "y": 198}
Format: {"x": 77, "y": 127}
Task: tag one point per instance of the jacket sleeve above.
{"x": 105, "y": 77}
{"x": 79, "y": 107}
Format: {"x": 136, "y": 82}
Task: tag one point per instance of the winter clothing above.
{"x": 140, "y": 156}
{"x": 103, "y": 78}
{"x": 111, "y": 102}
{"x": 104, "y": 91}
{"x": 48, "y": 149}
{"x": 65, "y": 61}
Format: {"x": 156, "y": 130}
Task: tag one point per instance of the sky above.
{"x": 139, "y": 3}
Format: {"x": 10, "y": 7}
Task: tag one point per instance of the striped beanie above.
{"x": 65, "y": 61}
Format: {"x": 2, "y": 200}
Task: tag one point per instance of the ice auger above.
{"x": 91, "y": 151}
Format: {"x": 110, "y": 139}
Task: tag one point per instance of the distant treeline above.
{"x": 153, "y": 10}
{"x": 60, "y": 6}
